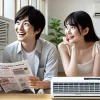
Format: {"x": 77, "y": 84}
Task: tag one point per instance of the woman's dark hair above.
{"x": 35, "y": 17}
{"x": 84, "y": 20}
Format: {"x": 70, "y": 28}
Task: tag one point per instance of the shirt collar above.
{"x": 19, "y": 47}
{"x": 38, "y": 46}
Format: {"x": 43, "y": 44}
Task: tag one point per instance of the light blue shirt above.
{"x": 46, "y": 58}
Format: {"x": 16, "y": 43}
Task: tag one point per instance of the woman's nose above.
{"x": 68, "y": 31}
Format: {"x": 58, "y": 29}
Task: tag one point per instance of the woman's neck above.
{"x": 82, "y": 46}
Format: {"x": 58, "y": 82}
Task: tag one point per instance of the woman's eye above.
{"x": 73, "y": 27}
{"x": 66, "y": 27}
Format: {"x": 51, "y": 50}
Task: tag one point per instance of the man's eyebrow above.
{"x": 26, "y": 21}
{"x": 23, "y": 20}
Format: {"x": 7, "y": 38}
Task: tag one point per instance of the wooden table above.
{"x": 35, "y": 97}
{"x": 25, "y": 97}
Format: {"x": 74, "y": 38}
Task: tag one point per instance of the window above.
{"x": 9, "y": 12}
{"x": 15, "y": 5}
{"x": 1, "y": 8}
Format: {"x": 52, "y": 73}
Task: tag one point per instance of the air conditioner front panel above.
{"x": 96, "y": 9}
{"x": 75, "y": 87}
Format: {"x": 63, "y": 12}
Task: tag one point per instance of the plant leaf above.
{"x": 57, "y": 31}
{"x": 51, "y": 33}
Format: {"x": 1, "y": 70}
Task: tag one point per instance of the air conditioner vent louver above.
{"x": 80, "y": 88}
{"x": 3, "y": 31}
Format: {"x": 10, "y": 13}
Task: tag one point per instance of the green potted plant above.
{"x": 56, "y": 33}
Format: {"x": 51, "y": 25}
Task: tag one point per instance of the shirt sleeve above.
{"x": 5, "y": 57}
{"x": 51, "y": 69}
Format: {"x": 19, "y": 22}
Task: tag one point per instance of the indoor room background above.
{"x": 52, "y": 9}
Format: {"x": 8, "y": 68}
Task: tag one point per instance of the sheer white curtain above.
{"x": 8, "y": 8}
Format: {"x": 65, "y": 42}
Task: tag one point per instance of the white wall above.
{"x": 61, "y": 8}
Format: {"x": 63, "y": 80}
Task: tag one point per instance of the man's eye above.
{"x": 17, "y": 22}
{"x": 27, "y": 24}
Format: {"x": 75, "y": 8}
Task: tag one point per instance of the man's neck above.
{"x": 29, "y": 47}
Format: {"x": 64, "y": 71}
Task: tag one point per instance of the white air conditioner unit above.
{"x": 7, "y": 32}
{"x": 75, "y": 87}
{"x": 96, "y": 9}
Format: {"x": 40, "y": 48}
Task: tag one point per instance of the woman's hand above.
{"x": 66, "y": 42}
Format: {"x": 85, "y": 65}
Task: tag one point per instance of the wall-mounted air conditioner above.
{"x": 7, "y": 32}
{"x": 96, "y": 9}
{"x": 75, "y": 88}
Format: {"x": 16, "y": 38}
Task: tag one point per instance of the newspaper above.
{"x": 13, "y": 76}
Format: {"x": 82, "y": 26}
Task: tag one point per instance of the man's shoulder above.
{"x": 13, "y": 44}
{"x": 46, "y": 43}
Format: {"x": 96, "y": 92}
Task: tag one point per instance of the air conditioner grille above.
{"x": 59, "y": 87}
{"x": 3, "y": 32}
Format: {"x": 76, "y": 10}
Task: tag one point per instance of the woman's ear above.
{"x": 85, "y": 31}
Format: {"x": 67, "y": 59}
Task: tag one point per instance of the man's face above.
{"x": 24, "y": 30}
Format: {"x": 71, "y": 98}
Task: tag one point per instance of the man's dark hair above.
{"x": 35, "y": 17}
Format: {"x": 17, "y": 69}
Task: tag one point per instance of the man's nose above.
{"x": 20, "y": 27}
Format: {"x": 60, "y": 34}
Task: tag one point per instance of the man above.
{"x": 41, "y": 54}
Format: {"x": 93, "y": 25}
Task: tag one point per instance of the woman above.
{"x": 80, "y": 49}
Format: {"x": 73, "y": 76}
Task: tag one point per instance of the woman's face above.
{"x": 72, "y": 33}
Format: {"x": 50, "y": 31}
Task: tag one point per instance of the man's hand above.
{"x": 34, "y": 82}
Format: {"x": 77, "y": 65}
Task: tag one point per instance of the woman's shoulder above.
{"x": 97, "y": 46}
{"x": 64, "y": 47}
{"x": 97, "y": 43}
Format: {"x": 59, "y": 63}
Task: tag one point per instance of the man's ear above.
{"x": 85, "y": 31}
{"x": 38, "y": 31}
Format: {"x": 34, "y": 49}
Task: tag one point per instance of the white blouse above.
{"x": 87, "y": 68}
